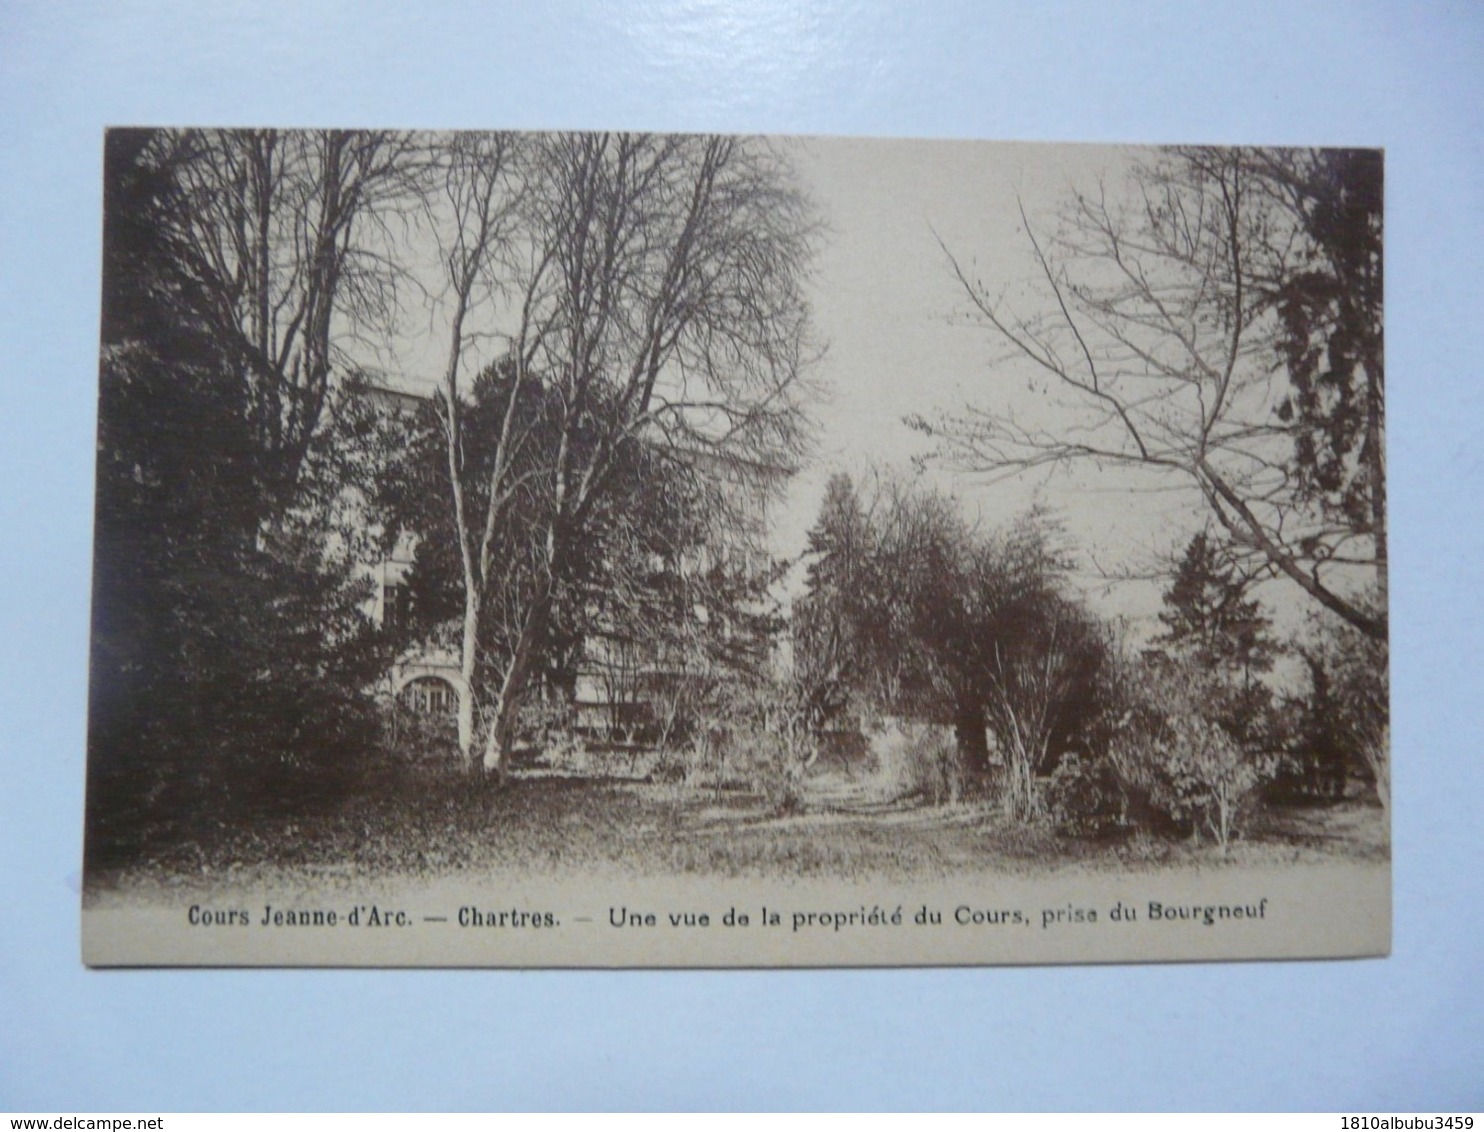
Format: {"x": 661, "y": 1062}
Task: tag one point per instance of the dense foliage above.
{"x": 912, "y": 612}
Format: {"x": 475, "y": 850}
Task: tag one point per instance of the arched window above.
{"x": 429, "y": 695}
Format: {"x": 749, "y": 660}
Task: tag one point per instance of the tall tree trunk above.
{"x": 969, "y": 733}
{"x": 1025, "y": 753}
{"x": 1375, "y": 451}
{"x": 500, "y": 737}
{"x": 468, "y": 656}
{"x": 473, "y": 579}
{"x": 1377, "y": 755}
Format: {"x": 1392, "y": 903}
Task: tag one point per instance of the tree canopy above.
{"x": 913, "y": 611}
{"x": 1209, "y": 613}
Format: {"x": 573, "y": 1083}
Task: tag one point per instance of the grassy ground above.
{"x": 431, "y": 824}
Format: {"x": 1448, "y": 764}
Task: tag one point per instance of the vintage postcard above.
{"x": 619, "y": 550}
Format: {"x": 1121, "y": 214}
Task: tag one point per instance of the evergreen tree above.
{"x": 1217, "y": 636}
{"x": 1208, "y": 615}
{"x": 832, "y": 623}
{"x": 230, "y": 652}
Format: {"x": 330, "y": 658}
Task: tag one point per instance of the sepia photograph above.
{"x": 569, "y": 549}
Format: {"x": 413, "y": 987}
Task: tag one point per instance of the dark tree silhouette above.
{"x": 1208, "y": 614}
{"x": 229, "y": 647}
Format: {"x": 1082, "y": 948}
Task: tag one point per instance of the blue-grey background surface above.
{"x": 1404, "y": 1033}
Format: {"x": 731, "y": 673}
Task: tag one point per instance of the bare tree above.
{"x": 477, "y": 215}
{"x": 286, "y": 239}
{"x": 1199, "y": 325}
{"x": 652, "y": 295}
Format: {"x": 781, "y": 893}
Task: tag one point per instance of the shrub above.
{"x": 773, "y": 763}
{"x": 1085, "y": 795}
{"x": 1209, "y": 781}
{"x": 1176, "y": 762}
